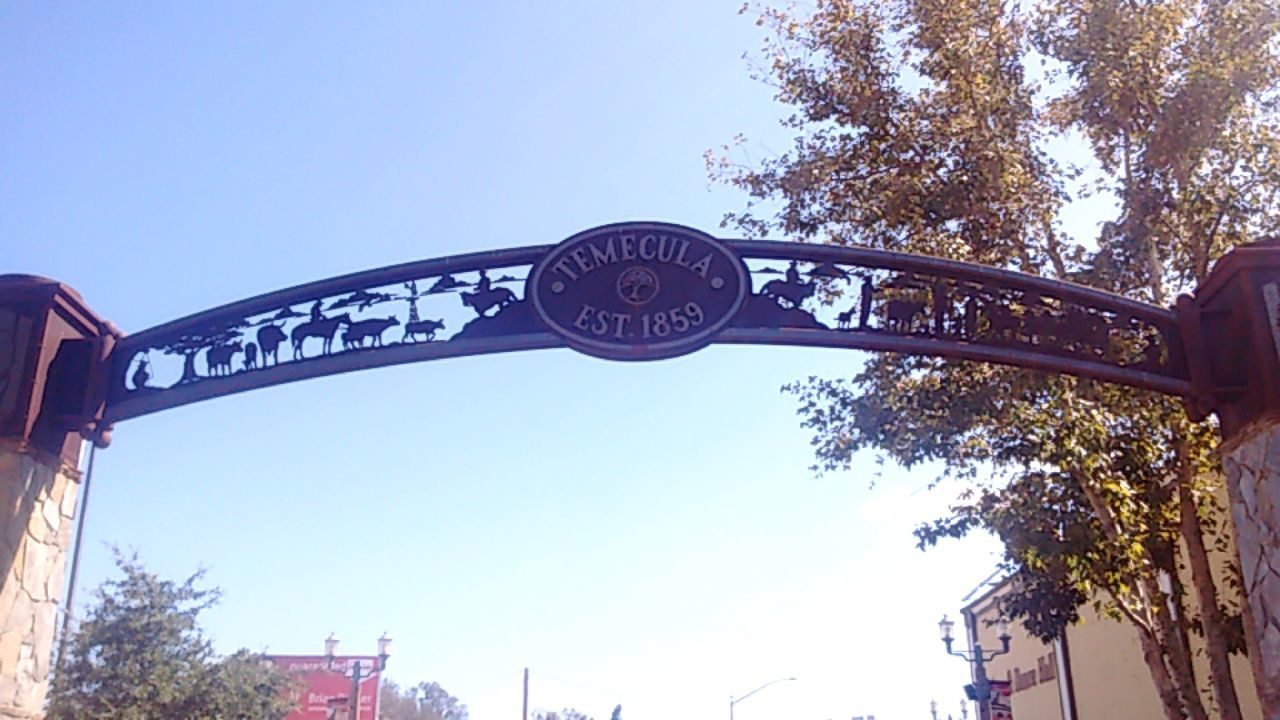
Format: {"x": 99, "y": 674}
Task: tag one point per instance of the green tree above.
{"x": 617, "y": 713}
{"x": 566, "y": 714}
{"x": 424, "y": 701}
{"x": 140, "y": 655}
{"x": 939, "y": 128}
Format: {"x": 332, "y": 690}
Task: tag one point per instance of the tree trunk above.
{"x": 1181, "y": 654}
{"x": 189, "y": 373}
{"x": 1174, "y": 650}
{"x": 1154, "y": 652}
{"x": 1211, "y": 618}
{"x": 1154, "y": 656}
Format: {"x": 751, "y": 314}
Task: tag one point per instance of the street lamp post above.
{"x": 933, "y": 710}
{"x": 978, "y": 658}
{"x": 357, "y": 669}
{"x": 733, "y": 701}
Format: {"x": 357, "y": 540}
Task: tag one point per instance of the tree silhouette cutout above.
{"x": 192, "y": 340}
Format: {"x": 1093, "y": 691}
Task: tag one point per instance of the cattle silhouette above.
{"x": 357, "y": 332}
{"x": 269, "y": 339}
{"x": 900, "y": 314}
{"x": 423, "y": 327}
{"x": 219, "y": 358}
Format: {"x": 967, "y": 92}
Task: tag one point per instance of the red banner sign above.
{"x": 1001, "y": 700}
{"x": 324, "y": 693}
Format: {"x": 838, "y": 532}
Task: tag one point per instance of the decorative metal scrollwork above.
{"x": 343, "y": 324}
{"x": 893, "y": 301}
{"x": 813, "y": 295}
{"x": 940, "y": 308}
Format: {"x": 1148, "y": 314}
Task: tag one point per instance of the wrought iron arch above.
{"x": 791, "y": 294}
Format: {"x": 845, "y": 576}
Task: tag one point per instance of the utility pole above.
{"x": 734, "y": 701}
{"x": 981, "y": 684}
{"x": 525, "y": 714}
{"x": 978, "y": 658}
{"x": 355, "y": 692}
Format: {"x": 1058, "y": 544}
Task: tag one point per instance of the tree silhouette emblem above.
{"x": 637, "y": 285}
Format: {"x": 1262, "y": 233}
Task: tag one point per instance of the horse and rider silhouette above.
{"x": 317, "y": 326}
{"x": 486, "y": 296}
{"x": 790, "y": 288}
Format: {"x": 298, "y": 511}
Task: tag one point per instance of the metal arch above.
{"x": 1024, "y": 345}
{"x": 127, "y": 398}
{"x": 978, "y": 353}
{"x": 352, "y": 282}
{"x": 905, "y": 303}
{"x": 144, "y": 404}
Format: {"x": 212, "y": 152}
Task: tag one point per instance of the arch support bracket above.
{"x": 53, "y": 375}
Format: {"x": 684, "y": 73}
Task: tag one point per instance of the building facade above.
{"x": 1094, "y": 672}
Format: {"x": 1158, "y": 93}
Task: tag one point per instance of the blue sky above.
{"x": 647, "y": 534}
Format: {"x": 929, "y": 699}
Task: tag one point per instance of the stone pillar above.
{"x": 1231, "y": 336}
{"x": 37, "y": 506}
{"x": 1252, "y": 460}
{"x": 53, "y": 352}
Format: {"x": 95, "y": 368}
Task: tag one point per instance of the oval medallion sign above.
{"x": 638, "y": 291}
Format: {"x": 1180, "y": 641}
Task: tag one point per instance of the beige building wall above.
{"x": 1103, "y": 657}
{"x": 1031, "y": 667}
{"x": 1104, "y": 668}
{"x": 1106, "y": 661}
{"x": 1107, "y": 670}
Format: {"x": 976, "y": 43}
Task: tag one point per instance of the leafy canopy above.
{"x": 424, "y": 701}
{"x": 140, "y": 655}
{"x": 566, "y": 714}
{"x": 973, "y": 129}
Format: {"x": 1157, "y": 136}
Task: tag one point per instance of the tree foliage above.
{"x": 971, "y": 129}
{"x": 424, "y": 701}
{"x": 566, "y": 714}
{"x": 140, "y": 655}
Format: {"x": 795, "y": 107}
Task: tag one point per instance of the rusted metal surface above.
{"x": 783, "y": 293}
{"x": 52, "y": 358}
{"x": 1233, "y": 322}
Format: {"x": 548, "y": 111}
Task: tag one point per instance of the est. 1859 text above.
{"x": 646, "y": 326}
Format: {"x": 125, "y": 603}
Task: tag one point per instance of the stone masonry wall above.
{"x": 37, "y": 507}
{"x": 1252, "y": 462}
